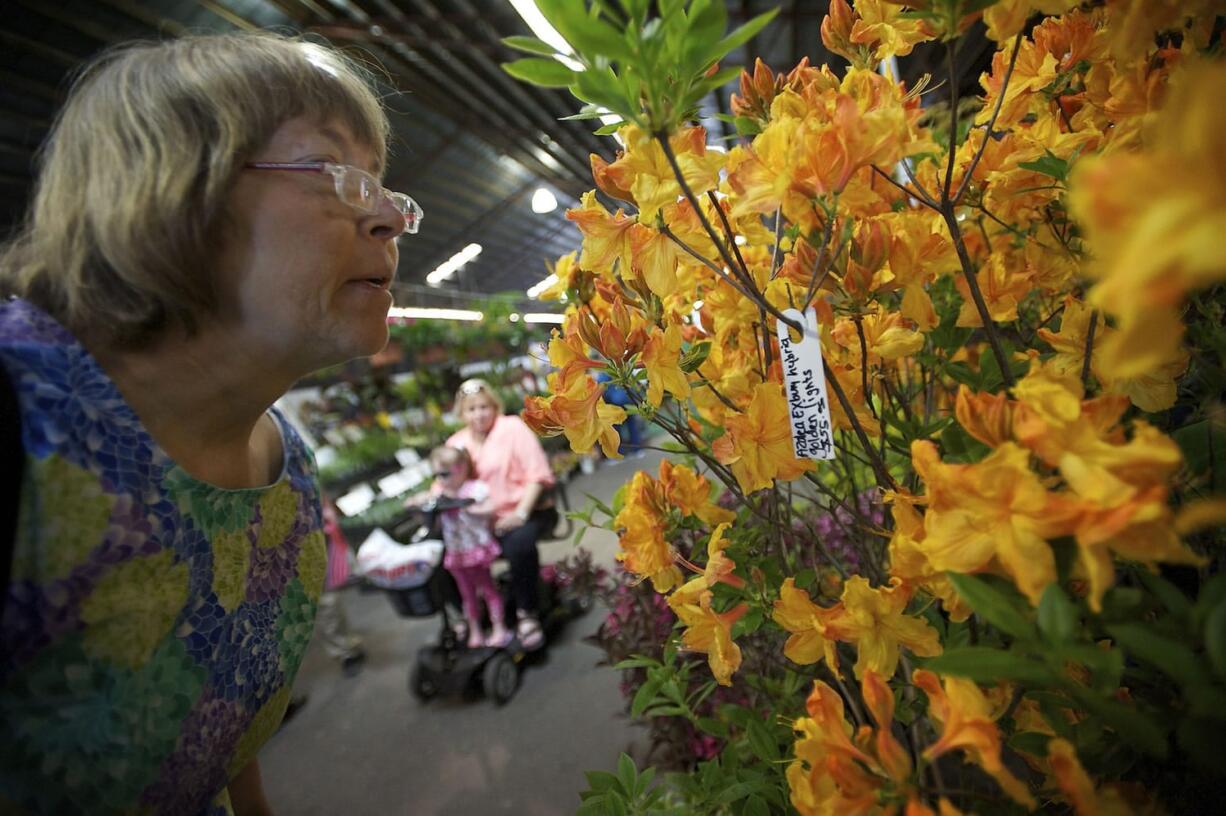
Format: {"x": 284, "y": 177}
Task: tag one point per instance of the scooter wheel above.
{"x": 500, "y": 678}
{"x": 422, "y": 687}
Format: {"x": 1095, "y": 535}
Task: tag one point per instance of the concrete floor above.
{"x": 364, "y": 745}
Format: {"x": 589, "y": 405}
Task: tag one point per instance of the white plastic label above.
{"x": 804, "y": 386}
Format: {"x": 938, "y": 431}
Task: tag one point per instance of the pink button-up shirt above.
{"x": 510, "y": 459}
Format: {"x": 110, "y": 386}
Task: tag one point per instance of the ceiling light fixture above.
{"x": 434, "y": 314}
{"x": 544, "y": 31}
{"x": 449, "y": 267}
{"x": 544, "y": 317}
{"x": 543, "y": 201}
{"x": 537, "y": 288}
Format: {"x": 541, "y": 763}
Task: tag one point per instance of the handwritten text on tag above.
{"x": 804, "y": 385}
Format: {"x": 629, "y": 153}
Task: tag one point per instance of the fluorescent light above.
{"x": 449, "y": 267}
{"x": 537, "y": 288}
{"x": 434, "y": 314}
{"x": 544, "y": 317}
{"x": 543, "y": 201}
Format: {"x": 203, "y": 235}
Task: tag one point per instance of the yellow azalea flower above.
{"x": 644, "y": 170}
{"x": 909, "y": 564}
{"x": 962, "y": 714}
{"x": 995, "y": 513}
{"x": 565, "y": 270}
{"x": 1135, "y": 23}
{"x": 1152, "y": 390}
{"x": 1003, "y": 282}
{"x": 883, "y": 27}
{"x": 709, "y": 632}
{"x": 661, "y": 357}
{"x": 1154, "y": 221}
{"x": 577, "y": 410}
{"x": 567, "y": 349}
{"x": 655, "y": 257}
{"x": 809, "y": 625}
{"x": 691, "y": 494}
{"x": 886, "y": 337}
{"x": 1006, "y": 18}
{"x": 874, "y": 620}
{"x": 758, "y": 443}
{"x": 606, "y": 238}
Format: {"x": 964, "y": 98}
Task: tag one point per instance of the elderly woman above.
{"x": 208, "y": 226}
{"x": 509, "y": 459}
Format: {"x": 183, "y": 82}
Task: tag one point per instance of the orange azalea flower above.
{"x": 709, "y": 631}
{"x": 644, "y": 170}
{"x": 874, "y": 620}
{"x": 985, "y": 416}
{"x": 1079, "y": 788}
{"x": 962, "y": 713}
{"x": 643, "y": 548}
{"x": 606, "y": 238}
{"x": 1004, "y": 283}
{"x": 809, "y": 624}
{"x": 691, "y": 494}
{"x": 661, "y": 358}
{"x": 758, "y": 442}
{"x": 992, "y": 513}
{"x": 879, "y": 701}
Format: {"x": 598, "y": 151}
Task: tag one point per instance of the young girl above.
{"x": 470, "y": 546}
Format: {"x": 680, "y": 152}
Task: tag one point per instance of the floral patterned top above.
{"x": 153, "y": 623}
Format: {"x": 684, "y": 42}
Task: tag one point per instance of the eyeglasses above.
{"x": 473, "y": 387}
{"x": 355, "y": 187}
{"x": 442, "y": 474}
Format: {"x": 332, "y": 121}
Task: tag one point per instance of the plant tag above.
{"x": 804, "y": 386}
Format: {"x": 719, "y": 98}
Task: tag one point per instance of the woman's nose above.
{"x": 388, "y": 222}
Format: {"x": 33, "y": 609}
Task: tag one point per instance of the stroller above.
{"x": 418, "y": 586}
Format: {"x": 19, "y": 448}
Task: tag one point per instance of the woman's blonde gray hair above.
{"x": 473, "y": 387}
{"x": 129, "y": 206}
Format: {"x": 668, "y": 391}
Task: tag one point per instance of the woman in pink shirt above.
{"x": 509, "y": 459}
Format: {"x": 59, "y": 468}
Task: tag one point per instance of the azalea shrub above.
{"x": 1001, "y": 594}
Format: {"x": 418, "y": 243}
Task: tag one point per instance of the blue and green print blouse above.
{"x": 153, "y": 623}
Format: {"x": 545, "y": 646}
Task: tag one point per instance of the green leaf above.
{"x": 1030, "y": 742}
{"x": 1135, "y": 728}
{"x": 1204, "y": 447}
{"x": 742, "y": 35}
{"x": 1049, "y": 165}
{"x": 600, "y": 781}
{"x": 530, "y": 44}
{"x": 693, "y": 359}
{"x": 626, "y": 772}
{"x": 636, "y": 662}
{"x": 1215, "y": 639}
{"x": 644, "y": 697}
{"x": 1058, "y": 617}
{"x": 762, "y": 742}
{"x": 1170, "y": 595}
{"x": 986, "y": 665}
{"x": 1171, "y": 657}
{"x": 993, "y": 605}
{"x": 543, "y": 72}
{"x": 588, "y": 35}
{"x": 755, "y": 806}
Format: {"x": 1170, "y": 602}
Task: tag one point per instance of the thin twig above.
{"x": 1085, "y": 366}
{"x": 814, "y": 283}
{"x": 1004, "y": 85}
{"x": 950, "y": 49}
{"x": 920, "y": 197}
{"x": 883, "y": 474}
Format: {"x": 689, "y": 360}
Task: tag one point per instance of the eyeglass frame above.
{"x": 411, "y": 211}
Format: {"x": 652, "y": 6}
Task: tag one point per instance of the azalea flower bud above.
{"x": 836, "y": 29}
